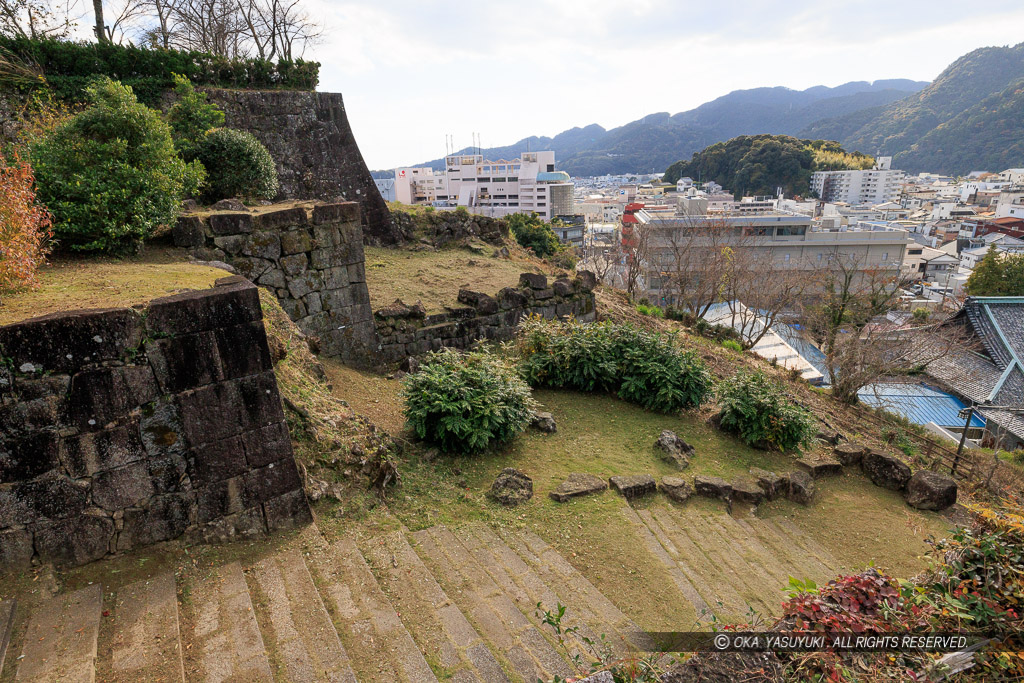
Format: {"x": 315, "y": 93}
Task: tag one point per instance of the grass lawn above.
{"x": 434, "y": 277}
{"x": 70, "y": 283}
{"x": 857, "y": 522}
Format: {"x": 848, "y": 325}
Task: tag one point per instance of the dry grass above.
{"x": 434, "y": 277}
{"x": 70, "y": 283}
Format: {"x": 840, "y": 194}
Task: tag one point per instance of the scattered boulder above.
{"x": 928, "y": 490}
{"x": 674, "y": 450}
{"x": 229, "y": 205}
{"x": 410, "y": 365}
{"x": 676, "y": 488}
{"x": 633, "y": 485}
{"x": 712, "y": 487}
{"x": 885, "y": 470}
{"x": 745, "y": 491}
{"x": 849, "y": 453}
{"x": 485, "y": 304}
{"x": 544, "y": 422}
{"x": 533, "y": 281}
{"x": 829, "y": 436}
{"x": 825, "y": 467}
{"x": 512, "y": 487}
{"x": 772, "y": 484}
{"x": 801, "y": 487}
{"x": 578, "y": 484}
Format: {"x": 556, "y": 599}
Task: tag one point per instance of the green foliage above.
{"x": 653, "y": 311}
{"x": 732, "y": 345}
{"x": 641, "y": 367}
{"x": 899, "y": 439}
{"x": 191, "y": 117}
{"x": 69, "y": 68}
{"x": 756, "y": 409}
{"x": 758, "y": 164}
{"x": 466, "y": 402}
{"x": 110, "y": 175}
{"x": 237, "y": 165}
{"x": 532, "y": 232}
{"x": 921, "y": 315}
{"x": 718, "y": 333}
{"x": 997, "y": 274}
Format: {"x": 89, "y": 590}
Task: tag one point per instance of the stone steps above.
{"x": 146, "y": 640}
{"x": 61, "y": 638}
{"x": 457, "y": 604}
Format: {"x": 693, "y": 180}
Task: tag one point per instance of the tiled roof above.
{"x": 965, "y": 373}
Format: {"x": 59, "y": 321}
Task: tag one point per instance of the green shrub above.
{"x": 191, "y": 117}
{"x": 732, "y": 345}
{"x": 531, "y": 232}
{"x": 110, "y": 175}
{"x": 641, "y": 367}
{"x": 237, "y": 165}
{"x": 70, "y": 67}
{"x": 756, "y": 409}
{"x": 654, "y": 311}
{"x": 466, "y": 402}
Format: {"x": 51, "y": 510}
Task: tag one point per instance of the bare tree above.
{"x": 636, "y": 254}
{"x": 860, "y": 346}
{"x": 692, "y": 256}
{"x": 760, "y": 289}
{"x": 38, "y": 18}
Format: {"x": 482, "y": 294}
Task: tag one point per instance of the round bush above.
{"x": 757, "y": 410}
{"x": 466, "y": 402}
{"x": 237, "y": 165}
{"x": 110, "y": 175}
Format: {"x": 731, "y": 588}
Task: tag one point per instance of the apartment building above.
{"x": 528, "y": 184}
{"x": 419, "y": 185}
{"x": 864, "y": 187}
{"x": 783, "y": 239}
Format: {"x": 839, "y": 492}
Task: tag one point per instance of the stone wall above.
{"x": 124, "y": 427}
{"x": 441, "y": 228}
{"x": 408, "y": 331}
{"x": 311, "y": 141}
{"x": 312, "y": 260}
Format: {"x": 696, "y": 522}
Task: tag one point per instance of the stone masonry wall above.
{"x": 311, "y": 141}
{"x": 408, "y": 331}
{"x": 124, "y": 427}
{"x": 312, "y": 260}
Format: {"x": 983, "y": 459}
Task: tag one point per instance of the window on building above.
{"x": 885, "y": 256}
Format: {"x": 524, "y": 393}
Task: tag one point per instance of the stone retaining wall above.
{"x": 124, "y": 427}
{"x": 405, "y": 331}
{"x": 312, "y": 260}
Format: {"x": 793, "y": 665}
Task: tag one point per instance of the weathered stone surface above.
{"x": 230, "y": 223}
{"x": 771, "y": 483}
{"x": 930, "y": 491}
{"x": 512, "y": 487}
{"x": 63, "y": 342}
{"x": 829, "y": 436}
{"x": 287, "y": 511}
{"x": 676, "y": 488}
{"x": 673, "y": 449}
{"x": 633, "y": 485}
{"x": 15, "y": 553}
{"x": 75, "y": 541}
{"x": 825, "y": 467}
{"x": 124, "y": 487}
{"x": 801, "y": 487}
{"x": 544, "y": 422}
{"x": 164, "y": 518}
{"x": 30, "y": 457}
{"x": 578, "y": 484}
{"x": 587, "y": 280}
{"x": 483, "y": 303}
{"x": 533, "y": 281}
{"x": 712, "y": 487}
{"x": 188, "y": 232}
{"x": 849, "y": 453}
{"x": 885, "y": 470}
{"x": 746, "y": 491}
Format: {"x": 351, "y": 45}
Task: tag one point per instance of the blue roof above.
{"x": 919, "y": 403}
{"x": 553, "y": 177}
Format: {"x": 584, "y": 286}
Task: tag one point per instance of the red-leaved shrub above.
{"x": 24, "y": 227}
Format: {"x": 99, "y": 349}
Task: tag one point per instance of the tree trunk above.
{"x": 101, "y": 31}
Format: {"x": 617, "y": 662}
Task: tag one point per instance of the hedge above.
{"x": 69, "y": 66}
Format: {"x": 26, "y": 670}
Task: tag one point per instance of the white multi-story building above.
{"x": 875, "y": 186}
{"x": 529, "y": 184}
{"x": 419, "y": 185}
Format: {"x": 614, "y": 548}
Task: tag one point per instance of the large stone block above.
{"x": 294, "y": 265}
{"x": 124, "y": 487}
{"x": 296, "y": 242}
{"x": 75, "y": 541}
{"x": 188, "y": 232}
{"x": 28, "y": 457}
{"x": 63, "y": 342}
{"x": 230, "y": 223}
{"x": 885, "y": 470}
{"x": 243, "y": 349}
{"x": 263, "y": 244}
{"x": 267, "y": 444}
{"x": 85, "y": 454}
{"x": 335, "y": 213}
{"x": 288, "y": 511}
{"x": 15, "y": 551}
{"x": 101, "y": 395}
{"x": 484, "y": 304}
{"x": 217, "y": 461}
{"x": 282, "y": 218}
{"x": 223, "y": 498}
{"x": 187, "y": 361}
{"x": 533, "y": 281}
{"x": 232, "y": 302}
{"x": 276, "y": 479}
{"x": 164, "y": 518}
{"x": 930, "y": 491}
{"x": 633, "y": 485}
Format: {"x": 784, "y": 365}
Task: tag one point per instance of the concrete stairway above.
{"x": 450, "y": 604}
{"x": 436, "y": 604}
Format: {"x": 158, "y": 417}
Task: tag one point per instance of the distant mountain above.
{"x": 656, "y": 141}
{"x": 970, "y": 118}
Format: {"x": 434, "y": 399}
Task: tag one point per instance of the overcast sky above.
{"x": 412, "y": 71}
